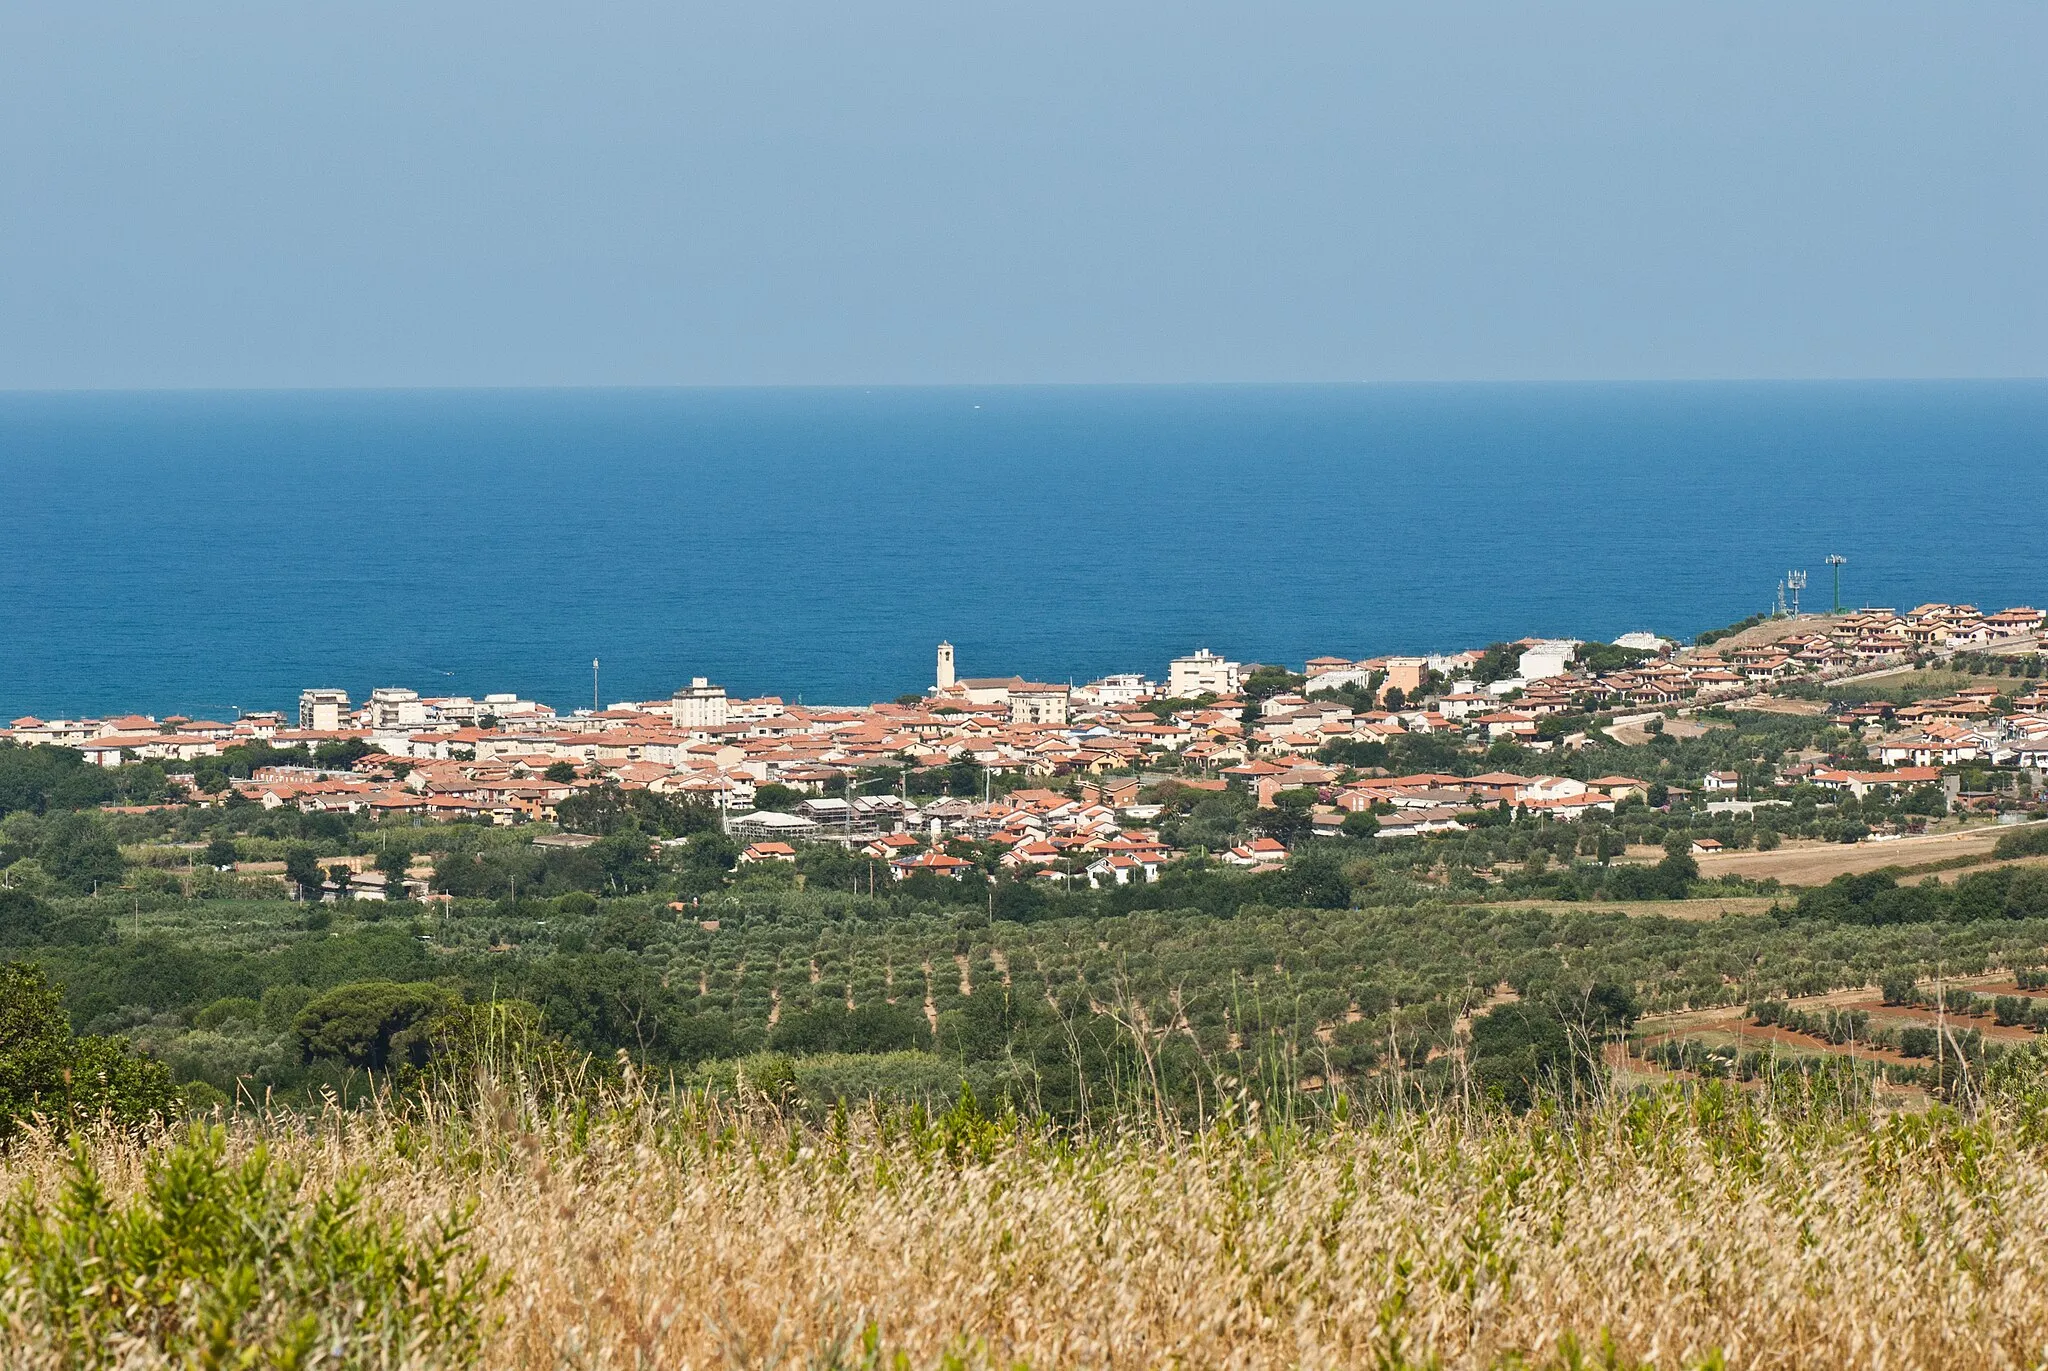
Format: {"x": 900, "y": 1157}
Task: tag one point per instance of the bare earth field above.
{"x": 1816, "y": 863}
{"x": 1694, "y": 910}
{"x": 1775, "y": 630}
{"x": 1634, "y": 735}
{"x": 1770, "y": 704}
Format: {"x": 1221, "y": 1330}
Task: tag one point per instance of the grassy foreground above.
{"x": 1674, "y": 1229}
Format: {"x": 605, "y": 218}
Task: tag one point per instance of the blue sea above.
{"x": 206, "y": 552}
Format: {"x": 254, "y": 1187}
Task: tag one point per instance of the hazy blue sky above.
{"x": 766, "y": 191}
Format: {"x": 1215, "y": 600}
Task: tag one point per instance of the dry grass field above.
{"x": 1711, "y": 1229}
{"x": 1695, "y": 910}
{"x": 1816, "y": 863}
{"x": 1937, "y": 682}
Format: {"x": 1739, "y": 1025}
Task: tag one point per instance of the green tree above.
{"x": 834, "y": 1028}
{"x": 371, "y": 1023}
{"x": 24, "y": 919}
{"x": 46, "y": 1070}
{"x": 78, "y": 849}
{"x": 302, "y": 870}
{"x": 1519, "y": 1051}
{"x": 1268, "y": 681}
{"x": 1363, "y": 824}
{"x": 1312, "y": 879}
{"x": 561, "y": 773}
{"x": 1288, "y": 820}
{"x": 394, "y": 859}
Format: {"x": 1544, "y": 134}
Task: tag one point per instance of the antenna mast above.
{"x": 1795, "y": 581}
{"x": 1838, "y": 562}
{"x": 593, "y": 685}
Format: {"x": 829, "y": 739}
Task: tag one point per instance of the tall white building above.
{"x": 393, "y": 708}
{"x": 1203, "y": 673}
{"x": 322, "y": 711}
{"x": 700, "y": 704}
{"x": 945, "y": 666}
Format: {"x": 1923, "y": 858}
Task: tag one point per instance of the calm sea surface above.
{"x": 202, "y": 552}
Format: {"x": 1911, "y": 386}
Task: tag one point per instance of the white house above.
{"x": 1546, "y": 659}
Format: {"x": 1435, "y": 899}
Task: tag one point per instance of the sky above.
{"x": 210, "y": 194}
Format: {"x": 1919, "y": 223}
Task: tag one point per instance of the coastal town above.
{"x": 1062, "y": 769}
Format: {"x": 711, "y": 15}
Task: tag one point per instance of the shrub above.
{"x": 2031, "y": 841}
{"x": 24, "y": 919}
{"x": 229, "y": 1007}
{"x": 217, "y": 1263}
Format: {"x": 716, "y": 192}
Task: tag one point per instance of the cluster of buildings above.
{"x": 509, "y": 760}
{"x": 1095, "y": 835}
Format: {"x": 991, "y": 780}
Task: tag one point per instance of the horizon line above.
{"x": 1387, "y": 384}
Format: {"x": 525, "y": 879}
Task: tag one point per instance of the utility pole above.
{"x": 1838, "y": 561}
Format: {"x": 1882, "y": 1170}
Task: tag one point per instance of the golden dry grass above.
{"x": 1693, "y": 911}
{"x": 1816, "y": 863}
{"x": 1684, "y": 1229}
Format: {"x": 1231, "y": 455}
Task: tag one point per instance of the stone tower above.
{"x": 945, "y": 666}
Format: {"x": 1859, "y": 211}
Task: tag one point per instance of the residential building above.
{"x": 1111, "y": 692}
{"x": 1542, "y": 660}
{"x": 323, "y": 711}
{"x": 1032, "y": 702}
{"x": 1405, "y": 674}
{"x": 699, "y": 705}
{"x": 394, "y": 709}
{"x": 1202, "y": 673}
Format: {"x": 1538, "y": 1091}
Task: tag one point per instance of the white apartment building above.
{"x": 1203, "y": 673}
{"x": 322, "y": 711}
{"x": 394, "y": 709}
{"x": 700, "y": 704}
{"x": 1032, "y": 702}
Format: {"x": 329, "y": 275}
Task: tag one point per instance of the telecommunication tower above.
{"x": 1795, "y": 581}
{"x": 1837, "y": 561}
